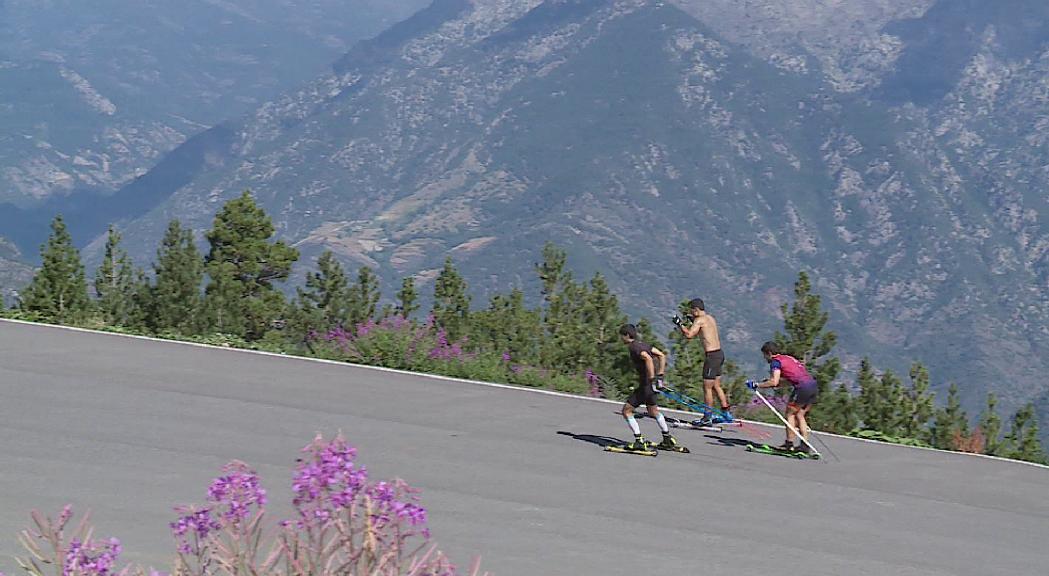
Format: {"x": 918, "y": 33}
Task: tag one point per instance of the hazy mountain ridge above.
{"x": 94, "y": 95}
{"x": 683, "y": 157}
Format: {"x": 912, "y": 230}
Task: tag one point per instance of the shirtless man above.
{"x": 704, "y": 326}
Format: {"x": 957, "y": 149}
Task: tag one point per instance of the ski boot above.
{"x": 639, "y": 445}
{"x": 726, "y": 416}
{"x": 787, "y": 446}
{"x": 670, "y": 444}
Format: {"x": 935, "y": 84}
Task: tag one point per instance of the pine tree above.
{"x": 363, "y": 297}
{"x": 177, "y": 303}
{"x": 326, "y": 292}
{"x": 918, "y": 405}
{"x": 242, "y": 266}
{"x": 806, "y": 339}
{"x": 407, "y": 298}
{"x": 115, "y": 283}
{"x": 451, "y": 302}
{"x": 838, "y": 411}
{"x": 58, "y": 291}
{"x": 991, "y": 425}
{"x": 1022, "y": 441}
{"x": 871, "y": 401}
{"x": 508, "y": 326}
{"x": 950, "y": 422}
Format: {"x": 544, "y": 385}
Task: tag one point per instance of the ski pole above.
{"x": 784, "y": 420}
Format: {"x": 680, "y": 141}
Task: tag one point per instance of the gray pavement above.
{"x": 130, "y": 428}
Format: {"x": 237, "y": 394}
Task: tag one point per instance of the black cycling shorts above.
{"x": 643, "y": 394}
{"x": 805, "y": 395}
{"x": 712, "y": 365}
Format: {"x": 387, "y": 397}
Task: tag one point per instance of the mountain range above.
{"x": 894, "y": 149}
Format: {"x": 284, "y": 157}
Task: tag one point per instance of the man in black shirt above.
{"x": 650, "y": 363}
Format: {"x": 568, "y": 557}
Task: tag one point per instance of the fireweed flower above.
{"x": 192, "y": 525}
{"x": 327, "y": 480}
{"x": 237, "y": 492}
{"x": 91, "y": 558}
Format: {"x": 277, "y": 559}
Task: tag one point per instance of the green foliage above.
{"x": 991, "y": 425}
{"x": 805, "y": 338}
{"x": 177, "y": 304}
{"x": 363, "y": 297}
{"x": 837, "y": 411}
{"x": 917, "y": 405}
{"x": 508, "y": 326}
{"x": 950, "y": 422}
{"x": 58, "y": 292}
{"x": 804, "y": 335}
{"x": 407, "y": 298}
{"x": 242, "y": 266}
{"x": 1021, "y": 443}
{"x": 451, "y": 302}
{"x": 115, "y": 283}
{"x": 326, "y": 295}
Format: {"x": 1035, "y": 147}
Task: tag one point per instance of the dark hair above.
{"x": 770, "y": 348}
{"x": 696, "y": 303}
{"x": 628, "y": 330}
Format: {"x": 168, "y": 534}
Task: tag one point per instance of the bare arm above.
{"x": 649, "y": 365}
{"x": 772, "y": 381}
{"x": 661, "y": 358}
{"x": 692, "y": 331}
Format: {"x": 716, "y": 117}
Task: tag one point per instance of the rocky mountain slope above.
{"x": 93, "y": 94}
{"x": 894, "y": 148}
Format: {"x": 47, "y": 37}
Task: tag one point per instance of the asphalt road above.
{"x": 130, "y": 428}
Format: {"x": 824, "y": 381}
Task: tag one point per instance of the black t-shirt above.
{"x": 636, "y": 348}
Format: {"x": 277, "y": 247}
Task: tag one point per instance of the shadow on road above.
{"x": 729, "y": 442}
{"x": 601, "y": 441}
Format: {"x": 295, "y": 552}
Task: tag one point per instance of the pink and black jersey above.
{"x": 792, "y": 370}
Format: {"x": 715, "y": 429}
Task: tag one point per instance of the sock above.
{"x": 662, "y": 424}
{"x": 632, "y": 422}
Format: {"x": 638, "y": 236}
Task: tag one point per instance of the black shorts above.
{"x": 804, "y": 395}
{"x": 712, "y": 365}
{"x": 643, "y": 394}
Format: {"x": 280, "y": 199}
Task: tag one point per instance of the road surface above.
{"x": 130, "y": 428}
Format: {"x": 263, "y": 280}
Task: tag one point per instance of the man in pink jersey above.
{"x": 789, "y": 368}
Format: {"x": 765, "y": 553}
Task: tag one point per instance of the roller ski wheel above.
{"x": 627, "y": 449}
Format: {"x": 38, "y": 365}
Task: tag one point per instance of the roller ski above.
{"x": 696, "y": 424}
{"x": 785, "y": 450}
{"x": 639, "y": 446}
{"x": 670, "y": 444}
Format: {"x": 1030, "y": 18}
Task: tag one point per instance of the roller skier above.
{"x": 650, "y": 363}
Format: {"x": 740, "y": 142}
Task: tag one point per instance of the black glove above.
{"x": 659, "y": 383}
{"x": 678, "y": 321}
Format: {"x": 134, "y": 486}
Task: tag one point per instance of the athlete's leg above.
{"x": 628, "y": 415}
{"x": 708, "y": 391}
{"x": 803, "y": 424}
{"x": 656, "y": 415}
{"x": 721, "y": 393}
{"x": 792, "y": 420}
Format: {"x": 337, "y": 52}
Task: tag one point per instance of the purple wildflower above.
{"x": 192, "y": 525}
{"x": 236, "y": 492}
{"x": 91, "y": 558}
{"x": 506, "y": 356}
